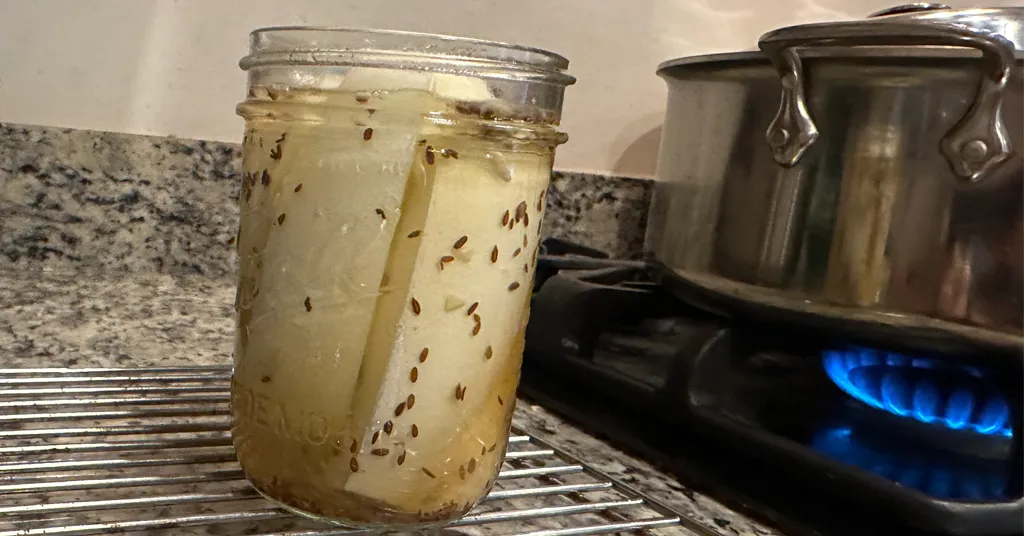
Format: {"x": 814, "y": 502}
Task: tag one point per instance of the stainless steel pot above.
{"x": 884, "y": 192}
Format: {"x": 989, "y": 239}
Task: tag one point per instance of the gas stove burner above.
{"x": 948, "y": 478}
{"x": 955, "y": 397}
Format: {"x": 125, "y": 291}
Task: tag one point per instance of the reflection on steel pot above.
{"x": 886, "y": 188}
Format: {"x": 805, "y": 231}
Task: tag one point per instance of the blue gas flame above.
{"x": 894, "y": 383}
{"x": 949, "y": 479}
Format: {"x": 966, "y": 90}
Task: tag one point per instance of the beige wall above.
{"x": 169, "y": 67}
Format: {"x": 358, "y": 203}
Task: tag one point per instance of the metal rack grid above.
{"x": 104, "y": 450}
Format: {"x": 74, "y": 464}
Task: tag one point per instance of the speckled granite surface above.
{"x": 114, "y": 253}
{"x": 120, "y": 201}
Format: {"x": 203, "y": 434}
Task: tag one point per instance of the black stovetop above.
{"x": 808, "y": 432}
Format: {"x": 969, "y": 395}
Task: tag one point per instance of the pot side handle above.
{"x": 978, "y": 143}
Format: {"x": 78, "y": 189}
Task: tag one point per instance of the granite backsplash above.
{"x": 78, "y": 199}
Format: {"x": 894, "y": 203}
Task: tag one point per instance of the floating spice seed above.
{"x": 380, "y": 212}
{"x": 281, "y": 139}
{"x": 494, "y": 255}
{"x": 275, "y": 153}
{"x": 380, "y": 452}
{"x": 410, "y": 401}
{"x": 308, "y": 304}
{"x": 511, "y": 225}
{"x": 298, "y": 187}
{"x": 388, "y": 427}
{"x": 280, "y": 219}
{"x": 362, "y": 99}
{"x": 415, "y": 307}
{"x": 483, "y": 450}
{"x": 401, "y": 458}
{"x": 488, "y": 353}
{"x": 504, "y": 219}
{"x": 353, "y": 464}
{"x": 354, "y": 448}
{"x": 428, "y": 473}
{"x": 265, "y": 178}
{"x": 460, "y": 242}
{"x": 513, "y": 286}
{"x": 500, "y": 401}
{"x": 400, "y": 409}
{"x": 449, "y": 153}
{"x": 526, "y": 268}
{"x": 446, "y": 259}
{"x": 415, "y": 430}
{"x": 414, "y": 374}
{"x": 458, "y": 392}
{"x": 472, "y": 308}
{"x": 367, "y": 134}
{"x": 526, "y": 219}
{"x": 423, "y": 354}
{"x": 526, "y": 241}
{"x": 471, "y": 466}
{"x": 371, "y": 111}
{"x": 520, "y": 211}
{"x": 430, "y": 155}
{"x": 462, "y": 472}
{"x": 476, "y": 329}
{"x": 517, "y": 252}
{"x": 376, "y": 436}
{"x": 492, "y": 447}
{"x": 414, "y": 234}
{"x": 540, "y": 202}
{"x": 265, "y": 379}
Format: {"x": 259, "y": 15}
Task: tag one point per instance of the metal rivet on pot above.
{"x": 974, "y": 151}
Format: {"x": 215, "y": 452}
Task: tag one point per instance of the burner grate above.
{"x": 100, "y": 451}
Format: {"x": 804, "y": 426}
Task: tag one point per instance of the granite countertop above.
{"x": 115, "y": 252}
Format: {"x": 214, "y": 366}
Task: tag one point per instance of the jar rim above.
{"x": 399, "y": 49}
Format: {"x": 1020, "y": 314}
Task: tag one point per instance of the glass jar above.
{"x": 391, "y": 203}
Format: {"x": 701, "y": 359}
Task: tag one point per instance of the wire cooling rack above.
{"x": 105, "y": 450}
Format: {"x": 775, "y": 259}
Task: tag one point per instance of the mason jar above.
{"x": 391, "y": 204}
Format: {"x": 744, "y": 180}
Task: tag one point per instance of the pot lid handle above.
{"x": 978, "y": 143}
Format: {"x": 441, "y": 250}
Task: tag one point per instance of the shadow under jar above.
{"x": 392, "y": 199}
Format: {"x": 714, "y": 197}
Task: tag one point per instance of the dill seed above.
{"x": 492, "y": 447}
{"x": 494, "y": 255}
{"x": 265, "y": 379}
{"x": 415, "y": 307}
{"x": 458, "y": 392}
{"x": 511, "y": 225}
{"x": 280, "y": 219}
{"x": 400, "y": 409}
{"x": 299, "y": 187}
{"x": 414, "y": 234}
{"x": 414, "y": 374}
{"x": 460, "y": 242}
{"x": 517, "y": 252}
{"x": 423, "y": 354}
{"x": 275, "y": 153}
{"x": 462, "y": 472}
{"x": 308, "y": 304}
{"x": 380, "y": 212}
{"x": 447, "y": 258}
{"x": 504, "y": 219}
{"x": 513, "y": 286}
{"x": 430, "y": 155}
{"x": 353, "y": 464}
{"x": 371, "y": 111}
{"x": 367, "y": 134}
{"x": 483, "y": 450}
{"x": 500, "y": 401}
{"x": 265, "y": 178}
{"x": 520, "y": 211}
{"x": 472, "y": 308}
{"x": 476, "y": 329}
{"x": 388, "y": 427}
{"x": 488, "y": 353}
{"x": 525, "y": 241}
{"x": 401, "y": 458}
{"x": 472, "y": 465}
{"x": 354, "y": 448}
{"x": 362, "y": 99}
{"x": 410, "y": 401}
{"x": 380, "y": 452}
{"x": 526, "y": 268}
{"x": 376, "y": 436}
{"x": 540, "y": 202}
{"x": 415, "y": 431}
{"x": 526, "y": 219}
{"x": 428, "y": 473}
